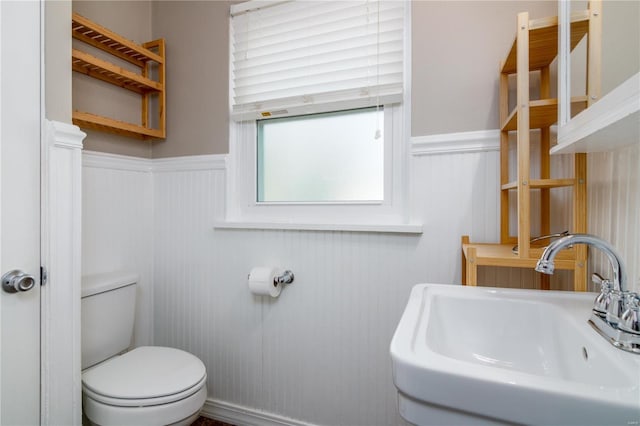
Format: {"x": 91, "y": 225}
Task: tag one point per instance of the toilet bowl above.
{"x": 148, "y": 385}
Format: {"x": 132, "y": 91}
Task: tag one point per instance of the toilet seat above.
{"x": 148, "y": 385}
{"x": 147, "y": 375}
{"x": 144, "y": 402}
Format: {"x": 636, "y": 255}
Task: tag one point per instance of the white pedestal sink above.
{"x": 477, "y": 355}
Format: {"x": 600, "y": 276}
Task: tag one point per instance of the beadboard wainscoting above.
{"x": 614, "y": 208}
{"x": 317, "y": 355}
{"x": 117, "y": 226}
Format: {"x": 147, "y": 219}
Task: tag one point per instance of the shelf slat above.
{"x": 543, "y": 41}
{"x": 97, "y": 68}
{"x": 541, "y": 184}
{"x": 543, "y": 113}
{"x": 102, "y": 38}
{"x": 501, "y": 255}
{"x": 86, "y": 120}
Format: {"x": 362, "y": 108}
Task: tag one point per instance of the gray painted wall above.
{"x": 620, "y": 42}
{"x": 457, "y": 47}
{"x": 197, "y": 42}
{"x": 57, "y": 15}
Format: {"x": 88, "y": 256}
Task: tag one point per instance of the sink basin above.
{"x": 477, "y": 355}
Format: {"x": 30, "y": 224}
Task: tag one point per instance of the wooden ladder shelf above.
{"x": 145, "y": 57}
{"x": 534, "y": 48}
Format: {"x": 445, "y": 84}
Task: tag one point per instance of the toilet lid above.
{"x": 145, "y": 372}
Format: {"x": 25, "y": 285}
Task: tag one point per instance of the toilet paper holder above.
{"x": 285, "y": 278}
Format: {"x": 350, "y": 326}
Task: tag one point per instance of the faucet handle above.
{"x": 597, "y": 279}
{"x": 630, "y": 318}
{"x": 616, "y": 306}
{"x": 601, "y": 304}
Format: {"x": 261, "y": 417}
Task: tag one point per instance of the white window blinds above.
{"x": 299, "y": 57}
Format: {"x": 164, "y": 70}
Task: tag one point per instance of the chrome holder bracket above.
{"x": 285, "y": 278}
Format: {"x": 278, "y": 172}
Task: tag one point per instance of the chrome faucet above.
{"x": 615, "y": 313}
{"x": 545, "y": 264}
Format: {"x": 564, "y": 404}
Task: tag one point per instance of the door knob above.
{"x": 16, "y": 280}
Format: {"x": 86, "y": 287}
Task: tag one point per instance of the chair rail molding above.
{"x": 451, "y": 143}
{"x": 190, "y": 162}
{"x": 61, "y": 183}
{"x": 105, "y": 160}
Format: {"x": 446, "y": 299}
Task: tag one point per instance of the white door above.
{"x": 20, "y": 126}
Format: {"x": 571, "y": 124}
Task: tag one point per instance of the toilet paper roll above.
{"x": 262, "y": 281}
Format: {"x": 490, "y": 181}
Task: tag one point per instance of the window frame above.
{"x": 242, "y": 210}
{"x": 243, "y": 184}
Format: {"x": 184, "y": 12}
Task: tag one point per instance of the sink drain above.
{"x": 585, "y": 354}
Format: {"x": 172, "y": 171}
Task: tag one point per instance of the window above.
{"x": 328, "y": 157}
{"x": 317, "y": 108}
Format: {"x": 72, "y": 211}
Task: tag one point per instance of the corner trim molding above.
{"x": 451, "y": 143}
{"x": 65, "y": 135}
{"x": 240, "y": 415}
{"x": 61, "y": 214}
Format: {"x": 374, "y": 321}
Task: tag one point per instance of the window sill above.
{"x": 350, "y": 227}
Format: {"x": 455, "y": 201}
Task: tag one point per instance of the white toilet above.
{"x": 149, "y": 385}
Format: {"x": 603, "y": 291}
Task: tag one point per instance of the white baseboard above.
{"x": 245, "y": 416}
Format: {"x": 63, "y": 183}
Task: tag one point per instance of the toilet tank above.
{"x": 108, "y": 313}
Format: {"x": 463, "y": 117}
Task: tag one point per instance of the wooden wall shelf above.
{"x": 502, "y": 255}
{"x": 543, "y": 113}
{"x": 542, "y": 183}
{"x": 543, "y": 41}
{"x": 106, "y": 71}
{"x": 96, "y": 35}
{"x": 145, "y": 57}
{"x": 87, "y": 120}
